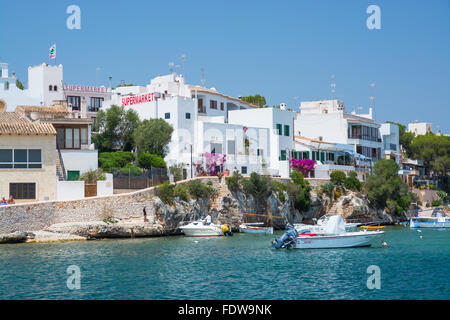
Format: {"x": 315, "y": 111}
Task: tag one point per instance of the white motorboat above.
{"x": 255, "y": 228}
{"x": 331, "y": 235}
{"x": 438, "y": 219}
{"x": 319, "y": 226}
{"x": 198, "y": 229}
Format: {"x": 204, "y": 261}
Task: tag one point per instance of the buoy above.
{"x": 225, "y": 228}
{"x": 419, "y": 230}
{"x": 420, "y": 237}
{"x": 384, "y": 244}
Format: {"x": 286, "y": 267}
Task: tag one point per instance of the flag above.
{"x": 53, "y": 51}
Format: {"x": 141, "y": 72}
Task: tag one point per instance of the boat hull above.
{"x": 202, "y": 231}
{"x": 349, "y": 240}
{"x": 253, "y": 230}
{"x": 413, "y": 224}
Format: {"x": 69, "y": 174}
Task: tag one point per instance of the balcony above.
{"x": 364, "y": 137}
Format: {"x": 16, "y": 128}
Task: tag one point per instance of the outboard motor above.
{"x": 288, "y": 239}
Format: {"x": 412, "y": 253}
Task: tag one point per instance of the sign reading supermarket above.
{"x": 129, "y": 101}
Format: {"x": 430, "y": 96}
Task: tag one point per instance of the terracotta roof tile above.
{"x": 12, "y": 123}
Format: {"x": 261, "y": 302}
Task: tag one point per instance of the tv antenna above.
{"x": 177, "y": 68}
{"x": 372, "y": 98}
{"x": 333, "y": 86}
{"x": 183, "y": 58}
{"x": 171, "y": 64}
{"x": 203, "y": 77}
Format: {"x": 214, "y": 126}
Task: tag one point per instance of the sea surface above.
{"x": 238, "y": 267}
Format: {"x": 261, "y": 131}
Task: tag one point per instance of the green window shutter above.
{"x": 283, "y": 155}
{"x": 296, "y": 155}
{"x": 307, "y": 155}
{"x": 286, "y": 130}
{"x": 322, "y": 156}
{"x": 279, "y": 128}
{"x": 313, "y": 155}
{"x": 73, "y": 175}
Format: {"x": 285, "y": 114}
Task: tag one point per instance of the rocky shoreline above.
{"x": 225, "y": 207}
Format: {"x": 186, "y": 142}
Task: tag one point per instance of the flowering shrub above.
{"x": 305, "y": 166}
{"x": 212, "y": 161}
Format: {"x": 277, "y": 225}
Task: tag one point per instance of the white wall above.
{"x": 80, "y": 160}
{"x": 105, "y": 187}
{"x": 69, "y": 190}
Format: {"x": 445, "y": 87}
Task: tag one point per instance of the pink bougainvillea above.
{"x": 212, "y": 161}
{"x": 305, "y": 166}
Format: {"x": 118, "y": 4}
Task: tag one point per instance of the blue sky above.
{"x": 280, "y": 49}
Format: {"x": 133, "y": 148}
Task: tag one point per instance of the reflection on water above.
{"x": 238, "y": 267}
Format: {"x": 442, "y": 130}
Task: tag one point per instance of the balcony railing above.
{"x": 364, "y": 137}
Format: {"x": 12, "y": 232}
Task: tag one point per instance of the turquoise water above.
{"x": 238, "y": 267}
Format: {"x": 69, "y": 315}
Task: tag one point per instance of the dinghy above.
{"x": 255, "y": 228}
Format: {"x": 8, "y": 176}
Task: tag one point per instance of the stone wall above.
{"x": 39, "y": 215}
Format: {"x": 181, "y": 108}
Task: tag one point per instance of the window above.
{"x": 76, "y": 138}
{"x": 23, "y": 190}
{"x": 50, "y": 88}
{"x": 69, "y": 138}
{"x": 167, "y": 115}
{"x": 279, "y": 128}
{"x": 283, "y": 155}
{"x": 6, "y": 159}
{"x": 200, "y": 106}
{"x": 20, "y": 159}
{"x": 75, "y": 102}
{"x": 286, "y": 130}
{"x": 213, "y": 104}
{"x": 244, "y": 170}
{"x": 188, "y": 115}
{"x": 222, "y": 106}
{"x": 55, "y": 88}
{"x": 96, "y": 104}
{"x": 216, "y": 148}
{"x": 84, "y": 135}
{"x": 231, "y": 146}
{"x": 260, "y": 152}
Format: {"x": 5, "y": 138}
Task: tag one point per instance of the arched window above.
{"x": 55, "y": 88}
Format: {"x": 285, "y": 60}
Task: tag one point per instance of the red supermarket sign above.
{"x": 128, "y": 101}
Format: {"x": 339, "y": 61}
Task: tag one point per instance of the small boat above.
{"x": 438, "y": 219}
{"x": 198, "y": 229}
{"x": 253, "y": 228}
{"x": 320, "y": 223}
{"x": 331, "y": 235}
{"x": 372, "y": 227}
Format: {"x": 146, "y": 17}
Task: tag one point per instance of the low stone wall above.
{"x": 39, "y": 215}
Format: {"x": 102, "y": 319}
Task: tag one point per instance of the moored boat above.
{"x": 332, "y": 234}
{"x": 254, "y": 228}
{"x": 198, "y": 229}
{"x": 438, "y": 219}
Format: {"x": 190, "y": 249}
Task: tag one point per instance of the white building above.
{"x": 420, "y": 128}
{"x": 391, "y": 145}
{"x": 327, "y": 120}
{"x": 45, "y": 85}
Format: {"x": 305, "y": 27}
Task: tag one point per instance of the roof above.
{"x": 13, "y": 123}
{"x": 313, "y": 140}
{"x": 204, "y": 90}
{"x": 52, "y": 110}
{"x": 353, "y": 117}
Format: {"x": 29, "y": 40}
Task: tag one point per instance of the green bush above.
{"x": 352, "y": 183}
{"x": 131, "y": 170}
{"x": 93, "y": 175}
{"x": 117, "y": 159}
{"x": 181, "y": 191}
{"x": 352, "y": 174}
{"x": 327, "y": 189}
{"x": 177, "y": 172}
{"x": 436, "y": 203}
{"x": 197, "y": 189}
{"x": 337, "y": 177}
{"x": 234, "y": 181}
{"x": 147, "y": 161}
{"x": 165, "y": 192}
{"x": 431, "y": 186}
{"x": 427, "y": 205}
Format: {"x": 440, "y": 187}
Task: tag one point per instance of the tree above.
{"x": 115, "y": 127}
{"x": 258, "y": 186}
{"x": 147, "y": 161}
{"x": 19, "y": 84}
{"x": 153, "y": 136}
{"x": 386, "y": 190}
{"x": 337, "y": 177}
{"x": 118, "y": 159}
{"x": 298, "y": 190}
{"x": 256, "y": 99}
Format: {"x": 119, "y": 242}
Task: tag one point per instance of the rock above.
{"x": 15, "y": 237}
{"x": 101, "y": 229}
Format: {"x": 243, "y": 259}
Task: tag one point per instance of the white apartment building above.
{"x": 420, "y": 128}
{"x": 327, "y": 120}
{"x": 391, "y": 146}
{"x": 45, "y": 85}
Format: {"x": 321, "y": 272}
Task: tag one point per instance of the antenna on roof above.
{"x": 372, "y": 98}
{"x": 183, "y": 58}
{"x": 333, "y": 86}
{"x": 171, "y": 64}
{"x": 203, "y": 76}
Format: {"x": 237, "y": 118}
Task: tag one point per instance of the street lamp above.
{"x": 190, "y": 145}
